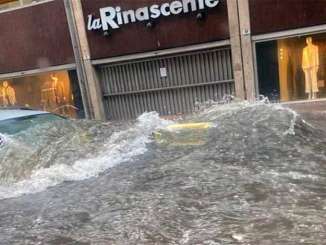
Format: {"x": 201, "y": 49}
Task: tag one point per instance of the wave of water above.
{"x": 32, "y": 171}
{"x": 71, "y": 151}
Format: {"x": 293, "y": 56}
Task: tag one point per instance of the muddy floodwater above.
{"x": 259, "y": 178}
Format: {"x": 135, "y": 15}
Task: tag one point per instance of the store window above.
{"x": 293, "y": 68}
{"x": 7, "y": 4}
{"x": 57, "y": 92}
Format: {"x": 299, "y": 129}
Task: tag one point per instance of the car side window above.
{"x": 16, "y": 125}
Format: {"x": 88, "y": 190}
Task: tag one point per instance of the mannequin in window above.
{"x": 48, "y": 96}
{"x": 59, "y": 90}
{"x": 60, "y": 97}
{"x": 53, "y": 95}
{"x": 310, "y": 66}
{"x": 8, "y": 94}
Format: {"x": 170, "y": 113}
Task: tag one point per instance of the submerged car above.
{"x": 13, "y": 121}
{"x": 184, "y": 134}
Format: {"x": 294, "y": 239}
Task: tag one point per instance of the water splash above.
{"x": 74, "y": 152}
{"x": 2, "y": 140}
{"x": 120, "y": 147}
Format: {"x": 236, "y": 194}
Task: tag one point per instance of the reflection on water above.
{"x": 259, "y": 179}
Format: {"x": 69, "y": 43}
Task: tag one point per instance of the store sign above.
{"x": 114, "y": 17}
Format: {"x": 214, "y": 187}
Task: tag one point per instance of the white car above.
{"x": 13, "y": 121}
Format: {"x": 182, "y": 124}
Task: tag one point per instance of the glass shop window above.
{"x": 57, "y": 92}
{"x": 293, "y": 68}
{"x": 8, "y": 4}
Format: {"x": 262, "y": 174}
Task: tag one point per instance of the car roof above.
{"x": 6, "y": 114}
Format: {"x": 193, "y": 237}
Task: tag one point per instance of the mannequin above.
{"x": 61, "y": 99}
{"x": 59, "y": 90}
{"x": 8, "y": 94}
{"x": 310, "y": 66}
{"x": 48, "y": 96}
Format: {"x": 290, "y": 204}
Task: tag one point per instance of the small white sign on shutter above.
{"x": 163, "y": 72}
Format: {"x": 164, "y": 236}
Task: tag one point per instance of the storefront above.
{"x": 37, "y": 67}
{"x": 290, "y": 48}
{"x": 158, "y": 56}
{"x": 292, "y": 68}
{"x": 113, "y": 59}
{"x": 55, "y": 92}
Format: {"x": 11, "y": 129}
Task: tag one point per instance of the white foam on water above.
{"x": 238, "y": 237}
{"x": 291, "y": 130}
{"x": 3, "y": 140}
{"x": 185, "y": 237}
{"x": 292, "y": 175}
{"x": 120, "y": 147}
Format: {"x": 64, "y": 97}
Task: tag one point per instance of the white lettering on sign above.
{"x": 114, "y": 17}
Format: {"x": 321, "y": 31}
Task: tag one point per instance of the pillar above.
{"x": 236, "y": 48}
{"x": 242, "y": 48}
{"x": 88, "y": 80}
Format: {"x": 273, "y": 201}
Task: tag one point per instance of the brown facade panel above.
{"x": 279, "y": 15}
{"x": 35, "y": 37}
{"x": 168, "y": 32}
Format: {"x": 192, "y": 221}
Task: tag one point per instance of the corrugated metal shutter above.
{"x": 132, "y": 88}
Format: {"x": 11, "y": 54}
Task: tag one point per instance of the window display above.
{"x": 8, "y": 4}
{"x": 53, "y": 92}
{"x": 310, "y": 66}
{"x": 8, "y": 94}
{"x": 293, "y": 68}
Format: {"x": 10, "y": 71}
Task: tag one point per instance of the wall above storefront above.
{"x": 35, "y": 37}
{"x": 279, "y": 15}
{"x": 165, "y": 32}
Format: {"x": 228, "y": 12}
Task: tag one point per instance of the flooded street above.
{"x": 259, "y": 178}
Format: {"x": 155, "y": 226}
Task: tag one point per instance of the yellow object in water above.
{"x": 191, "y": 126}
{"x": 183, "y": 134}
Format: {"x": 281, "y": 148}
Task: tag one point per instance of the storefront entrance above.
{"x": 57, "y": 92}
{"x": 292, "y": 69}
{"x": 169, "y": 85}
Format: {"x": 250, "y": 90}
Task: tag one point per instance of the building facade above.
{"x": 113, "y": 59}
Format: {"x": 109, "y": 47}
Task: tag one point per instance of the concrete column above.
{"x": 89, "y": 83}
{"x": 242, "y": 49}
{"x": 247, "y": 49}
{"x": 236, "y": 48}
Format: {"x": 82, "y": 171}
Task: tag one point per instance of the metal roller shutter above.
{"x": 134, "y": 87}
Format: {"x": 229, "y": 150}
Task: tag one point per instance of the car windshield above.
{"x": 16, "y": 125}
